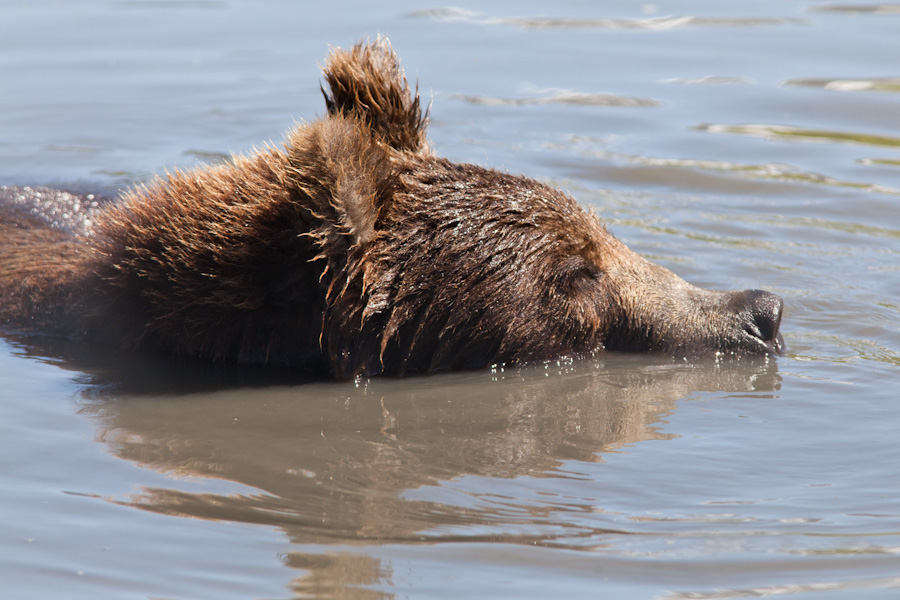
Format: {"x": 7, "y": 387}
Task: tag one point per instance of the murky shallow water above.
{"x": 740, "y": 145}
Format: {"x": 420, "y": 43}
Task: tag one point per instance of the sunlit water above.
{"x": 740, "y": 144}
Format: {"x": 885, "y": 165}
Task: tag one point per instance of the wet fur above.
{"x": 350, "y": 250}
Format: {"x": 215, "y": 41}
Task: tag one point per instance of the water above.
{"x": 741, "y": 145}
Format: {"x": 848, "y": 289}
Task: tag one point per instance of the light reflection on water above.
{"x": 741, "y": 146}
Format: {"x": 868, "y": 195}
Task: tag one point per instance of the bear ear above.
{"x": 368, "y": 83}
{"x": 345, "y": 178}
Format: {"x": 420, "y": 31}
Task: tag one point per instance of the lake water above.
{"x": 742, "y": 145}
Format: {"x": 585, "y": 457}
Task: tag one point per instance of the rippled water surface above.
{"x": 742, "y": 145}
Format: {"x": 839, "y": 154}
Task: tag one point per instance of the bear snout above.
{"x": 761, "y": 312}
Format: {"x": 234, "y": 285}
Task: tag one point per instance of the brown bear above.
{"x": 355, "y": 250}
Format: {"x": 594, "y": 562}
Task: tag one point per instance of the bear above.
{"x": 354, "y": 250}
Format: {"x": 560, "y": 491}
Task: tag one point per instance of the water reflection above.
{"x": 476, "y": 457}
{"x": 369, "y": 462}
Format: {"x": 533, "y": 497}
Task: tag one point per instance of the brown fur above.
{"x": 354, "y": 250}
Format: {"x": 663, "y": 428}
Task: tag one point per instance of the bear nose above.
{"x": 762, "y": 317}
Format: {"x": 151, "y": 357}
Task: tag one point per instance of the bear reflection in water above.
{"x": 355, "y": 250}
{"x": 426, "y": 459}
{"x": 327, "y": 459}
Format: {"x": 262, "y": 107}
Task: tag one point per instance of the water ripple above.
{"x": 789, "y": 132}
{"x": 788, "y": 589}
{"x": 773, "y": 171}
{"x": 453, "y": 14}
{"x": 558, "y": 96}
{"x": 877, "y": 84}
{"x": 862, "y": 9}
{"x": 710, "y": 80}
{"x": 764, "y": 172}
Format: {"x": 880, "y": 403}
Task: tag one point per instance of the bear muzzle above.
{"x": 761, "y": 314}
